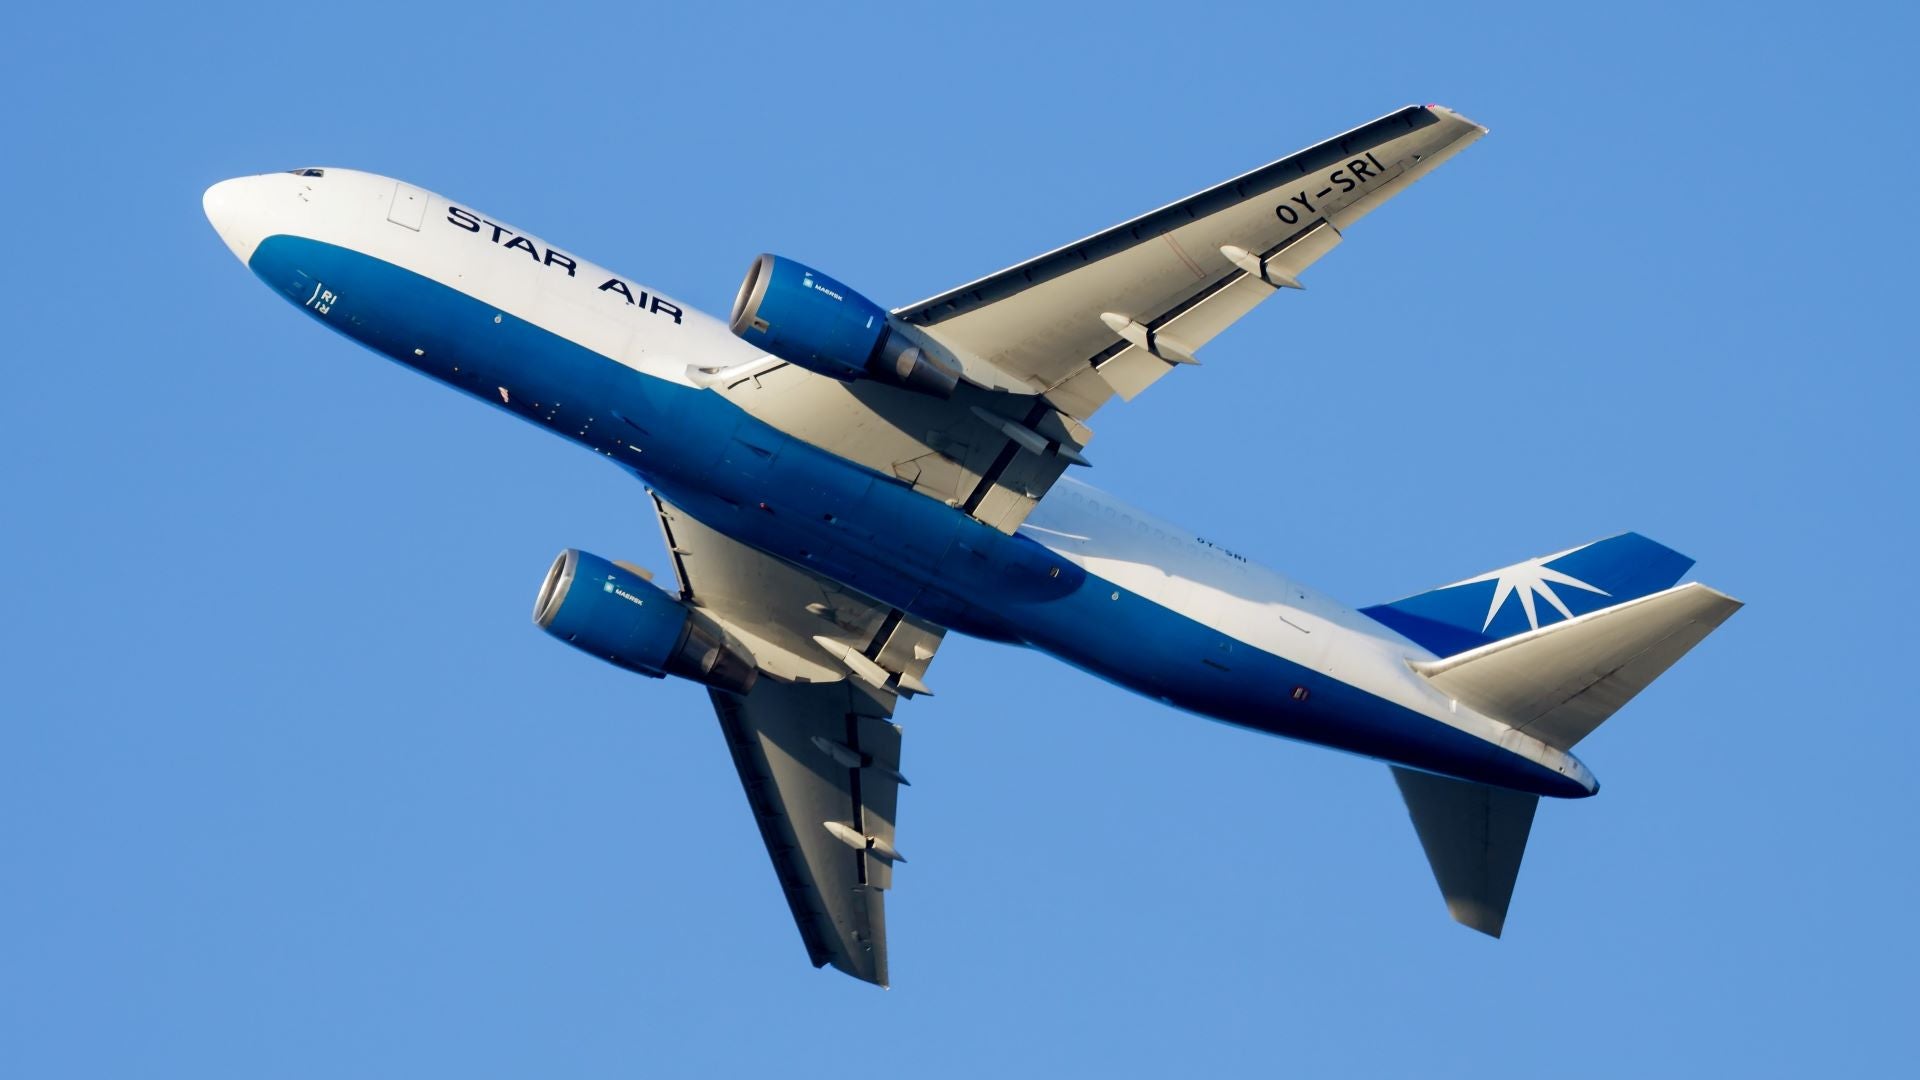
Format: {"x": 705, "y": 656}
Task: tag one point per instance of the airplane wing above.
{"x": 1112, "y": 313}
{"x": 1047, "y": 342}
{"x": 813, "y": 741}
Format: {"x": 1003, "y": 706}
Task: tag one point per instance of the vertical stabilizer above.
{"x": 1474, "y": 836}
{"x": 1526, "y": 596}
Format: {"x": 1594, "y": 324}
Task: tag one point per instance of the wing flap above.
{"x": 1135, "y": 368}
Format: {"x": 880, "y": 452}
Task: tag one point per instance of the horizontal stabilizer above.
{"x": 1560, "y": 682}
{"x": 1474, "y": 836}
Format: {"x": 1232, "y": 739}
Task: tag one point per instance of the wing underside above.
{"x": 813, "y": 741}
{"x": 1114, "y": 312}
{"x": 820, "y": 766}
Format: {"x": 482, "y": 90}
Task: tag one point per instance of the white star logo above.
{"x": 1528, "y": 579}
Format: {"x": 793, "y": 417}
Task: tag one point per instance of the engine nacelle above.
{"x": 621, "y": 618}
{"x": 808, "y": 319}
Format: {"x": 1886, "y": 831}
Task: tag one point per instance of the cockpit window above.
{"x": 308, "y": 172}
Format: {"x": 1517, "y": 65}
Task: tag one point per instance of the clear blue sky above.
{"x": 290, "y": 786}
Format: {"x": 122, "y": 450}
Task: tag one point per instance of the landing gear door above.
{"x": 409, "y": 207}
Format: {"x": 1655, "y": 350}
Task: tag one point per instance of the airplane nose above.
{"x": 233, "y": 209}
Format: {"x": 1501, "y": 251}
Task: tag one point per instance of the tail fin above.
{"x": 1612, "y": 621}
{"x": 1557, "y": 684}
{"x": 1474, "y": 836}
{"x": 1539, "y": 592}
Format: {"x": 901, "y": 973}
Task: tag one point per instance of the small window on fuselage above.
{"x": 308, "y": 172}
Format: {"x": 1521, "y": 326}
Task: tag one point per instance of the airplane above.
{"x": 839, "y": 485}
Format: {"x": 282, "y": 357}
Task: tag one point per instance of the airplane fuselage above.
{"x": 615, "y": 366}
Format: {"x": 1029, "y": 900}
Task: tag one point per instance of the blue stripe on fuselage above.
{"x": 861, "y": 528}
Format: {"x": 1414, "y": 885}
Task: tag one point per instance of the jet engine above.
{"x": 808, "y": 319}
{"x": 620, "y": 617}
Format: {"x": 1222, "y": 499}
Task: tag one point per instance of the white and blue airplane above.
{"x": 840, "y": 485}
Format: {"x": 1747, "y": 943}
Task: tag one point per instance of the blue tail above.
{"x": 1539, "y": 592}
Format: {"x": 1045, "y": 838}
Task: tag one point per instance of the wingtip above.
{"x": 1734, "y": 603}
{"x": 1478, "y": 917}
{"x": 1442, "y": 110}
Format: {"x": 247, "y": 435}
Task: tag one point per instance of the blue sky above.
{"x": 290, "y": 786}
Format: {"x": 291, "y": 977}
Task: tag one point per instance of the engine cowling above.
{"x": 620, "y": 617}
{"x": 808, "y": 319}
